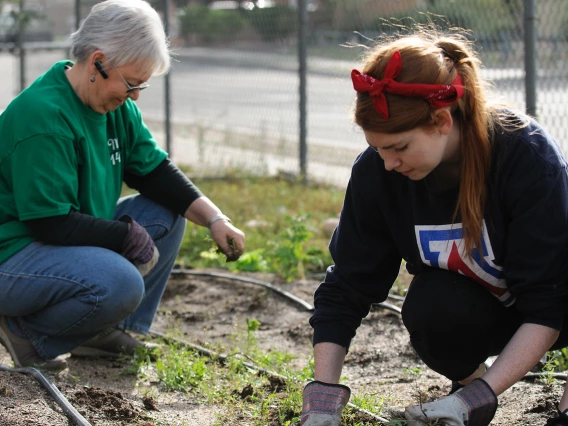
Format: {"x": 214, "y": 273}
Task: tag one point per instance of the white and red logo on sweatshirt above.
{"x": 441, "y": 246}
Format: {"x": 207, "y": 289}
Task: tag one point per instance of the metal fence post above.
{"x": 530, "y": 56}
{"x": 167, "y": 99}
{"x": 21, "y": 51}
{"x": 302, "y": 59}
{"x": 77, "y": 14}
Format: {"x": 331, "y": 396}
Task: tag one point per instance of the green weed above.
{"x": 413, "y": 371}
{"x": 548, "y": 370}
{"x": 181, "y": 368}
{"x": 250, "y": 261}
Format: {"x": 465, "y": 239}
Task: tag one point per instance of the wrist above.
{"x": 481, "y": 402}
{"x": 217, "y": 218}
{"x": 319, "y": 382}
{"x": 325, "y": 398}
{"x": 342, "y": 390}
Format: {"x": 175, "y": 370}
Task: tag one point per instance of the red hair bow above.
{"x": 437, "y": 95}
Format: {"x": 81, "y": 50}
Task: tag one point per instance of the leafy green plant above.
{"x": 289, "y": 255}
{"x": 560, "y": 356}
{"x": 251, "y": 261}
{"x": 548, "y": 370}
{"x": 181, "y": 368}
{"x": 141, "y": 361}
{"x": 252, "y": 326}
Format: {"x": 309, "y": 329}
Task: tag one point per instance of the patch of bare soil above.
{"x": 212, "y": 310}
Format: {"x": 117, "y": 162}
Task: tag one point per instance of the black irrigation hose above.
{"x": 275, "y": 289}
{"x": 396, "y": 297}
{"x": 215, "y": 355}
{"x": 388, "y": 306}
{"x": 65, "y": 405}
{"x": 284, "y": 293}
{"x": 544, "y": 374}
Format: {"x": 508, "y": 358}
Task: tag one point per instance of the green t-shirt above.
{"x": 56, "y": 154}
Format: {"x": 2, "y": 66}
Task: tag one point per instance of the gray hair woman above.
{"x": 79, "y": 265}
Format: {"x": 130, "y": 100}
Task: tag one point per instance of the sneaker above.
{"x": 560, "y": 420}
{"x": 23, "y": 353}
{"x": 112, "y": 343}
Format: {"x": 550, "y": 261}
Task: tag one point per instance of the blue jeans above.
{"x": 63, "y": 296}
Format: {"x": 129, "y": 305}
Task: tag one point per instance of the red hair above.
{"x": 437, "y": 59}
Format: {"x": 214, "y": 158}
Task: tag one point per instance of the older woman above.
{"x": 78, "y": 265}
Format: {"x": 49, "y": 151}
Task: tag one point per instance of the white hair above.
{"x": 127, "y": 32}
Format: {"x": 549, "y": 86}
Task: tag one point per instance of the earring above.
{"x": 93, "y": 78}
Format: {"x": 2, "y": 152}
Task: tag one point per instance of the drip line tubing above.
{"x": 65, "y": 405}
{"x": 307, "y": 306}
{"x": 544, "y": 375}
{"x": 396, "y": 297}
{"x": 234, "y": 277}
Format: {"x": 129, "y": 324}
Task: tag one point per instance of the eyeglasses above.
{"x": 131, "y": 88}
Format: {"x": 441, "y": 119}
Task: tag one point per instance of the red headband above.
{"x": 437, "y": 95}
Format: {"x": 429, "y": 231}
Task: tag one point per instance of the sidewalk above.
{"x": 266, "y": 60}
{"x": 315, "y": 65}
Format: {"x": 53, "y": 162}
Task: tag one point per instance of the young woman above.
{"x": 78, "y": 265}
{"x": 474, "y": 197}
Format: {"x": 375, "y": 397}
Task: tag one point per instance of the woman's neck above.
{"x": 76, "y": 77}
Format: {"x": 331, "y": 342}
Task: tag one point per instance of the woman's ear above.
{"x": 443, "y": 120}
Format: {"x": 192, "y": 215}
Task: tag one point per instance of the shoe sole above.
{"x": 95, "y": 353}
{"x": 5, "y": 341}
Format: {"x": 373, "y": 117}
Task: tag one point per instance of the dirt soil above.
{"x": 210, "y": 309}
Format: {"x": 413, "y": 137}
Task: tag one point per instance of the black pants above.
{"x": 455, "y": 324}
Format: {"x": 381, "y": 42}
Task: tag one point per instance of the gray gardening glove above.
{"x": 323, "y": 404}
{"x": 145, "y": 268}
{"x": 138, "y": 246}
{"x": 473, "y": 405}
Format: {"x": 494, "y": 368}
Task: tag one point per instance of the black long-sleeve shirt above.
{"x": 387, "y": 217}
{"x": 166, "y": 185}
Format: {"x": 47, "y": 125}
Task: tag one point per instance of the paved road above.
{"x": 220, "y": 97}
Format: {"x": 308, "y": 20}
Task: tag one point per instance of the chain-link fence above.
{"x": 235, "y": 98}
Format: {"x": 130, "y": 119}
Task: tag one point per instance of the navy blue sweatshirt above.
{"x": 387, "y": 217}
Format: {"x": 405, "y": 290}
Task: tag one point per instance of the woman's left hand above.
{"x": 230, "y": 240}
